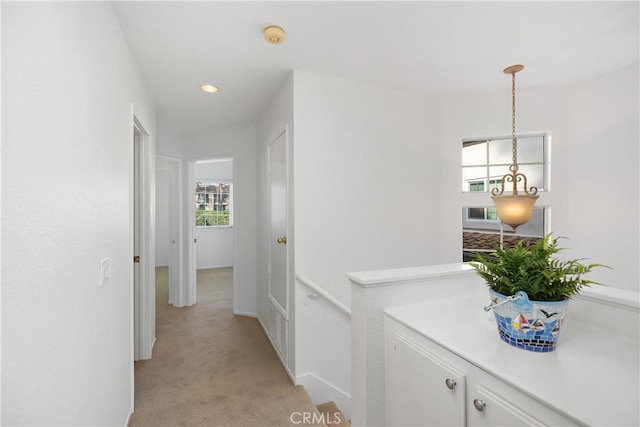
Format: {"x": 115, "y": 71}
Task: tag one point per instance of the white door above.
{"x": 421, "y": 389}
{"x": 278, "y": 278}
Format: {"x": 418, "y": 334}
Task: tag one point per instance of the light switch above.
{"x": 104, "y": 272}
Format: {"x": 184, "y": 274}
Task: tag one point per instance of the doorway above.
{"x": 211, "y": 216}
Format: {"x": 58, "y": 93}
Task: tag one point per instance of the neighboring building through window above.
{"x": 213, "y": 204}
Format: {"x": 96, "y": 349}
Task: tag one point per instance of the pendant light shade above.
{"x": 516, "y": 208}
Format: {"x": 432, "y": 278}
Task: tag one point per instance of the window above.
{"x": 486, "y": 161}
{"x": 213, "y": 204}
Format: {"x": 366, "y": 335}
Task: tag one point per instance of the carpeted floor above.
{"x": 211, "y": 368}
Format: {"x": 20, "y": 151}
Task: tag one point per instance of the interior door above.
{"x": 278, "y": 279}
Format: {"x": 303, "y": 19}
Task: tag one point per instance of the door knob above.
{"x": 451, "y": 384}
{"x": 282, "y": 240}
{"x": 479, "y": 404}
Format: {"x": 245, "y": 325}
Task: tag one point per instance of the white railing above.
{"x": 319, "y": 291}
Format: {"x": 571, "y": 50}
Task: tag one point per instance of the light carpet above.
{"x": 212, "y": 368}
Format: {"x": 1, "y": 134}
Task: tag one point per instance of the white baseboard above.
{"x": 321, "y": 391}
{"x": 128, "y": 420}
{"x": 245, "y": 313}
{"x": 212, "y": 267}
{"x": 275, "y": 349}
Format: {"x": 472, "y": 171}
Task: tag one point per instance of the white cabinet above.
{"x": 428, "y": 385}
{"x": 421, "y": 388}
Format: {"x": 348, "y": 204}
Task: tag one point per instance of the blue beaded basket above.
{"x": 529, "y": 325}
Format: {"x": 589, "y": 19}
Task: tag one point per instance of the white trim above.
{"x": 278, "y": 307}
{"x": 320, "y": 391}
{"x": 275, "y": 350}
{"x": 216, "y": 266}
{"x": 317, "y": 289}
{"x": 128, "y": 419}
{"x": 245, "y": 313}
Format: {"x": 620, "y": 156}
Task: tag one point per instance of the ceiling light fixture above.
{"x": 514, "y": 209}
{"x": 274, "y": 34}
{"x": 209, "y": 88}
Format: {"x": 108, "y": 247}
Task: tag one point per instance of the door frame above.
{"x": 146, "y": 305}
{"x": 190, "y": 274}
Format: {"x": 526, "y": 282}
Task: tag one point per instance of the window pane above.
{"x": 474, "y": 153}
{"x": 498, "y": 155}
{"x": 471, "y": 175}
{"x": 531, "y": 150}
{"x": 476, "y": 213}
{"x": 213, "y": 204}
{"x": 500, "y": 151}
{"x": 535, "y": 174}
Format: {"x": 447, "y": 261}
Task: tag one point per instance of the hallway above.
{"x": 211, "y": 368}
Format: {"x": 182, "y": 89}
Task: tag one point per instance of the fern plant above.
{"x": 532, "y": 267}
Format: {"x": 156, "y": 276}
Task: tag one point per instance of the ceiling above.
{"x": 432, "y": 47}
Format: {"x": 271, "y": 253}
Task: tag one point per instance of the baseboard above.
{"x": 275, "y": 349}
{"x": 128, "y": 420}
{"x": 214, "y": 266}
{"x": 245, "y": 313}
{"x": 321, "y": 391}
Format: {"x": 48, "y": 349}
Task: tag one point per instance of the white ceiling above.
{"x": 425, "y": 46}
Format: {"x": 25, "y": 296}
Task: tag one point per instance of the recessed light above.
{"x": 209, "y": 88}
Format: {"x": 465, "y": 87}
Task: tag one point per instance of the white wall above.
{"x": 68, "y": 82}
{"x": 366, "y": 188}
{"x": 594, "y": 165}
{"x": 215, "y": 245}
{"x": 367, "y": 180}
{"x": 240, "y": 144}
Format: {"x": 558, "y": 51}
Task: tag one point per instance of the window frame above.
{"x": 230, "y": 203}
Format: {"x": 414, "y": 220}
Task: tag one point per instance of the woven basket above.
{"x": 529, "y": 325}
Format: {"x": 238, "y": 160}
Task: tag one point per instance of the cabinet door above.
{"x": 418, "y": 393}
{"x": 486, "y": 408}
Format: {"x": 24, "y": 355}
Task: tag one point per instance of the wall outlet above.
{"x": 104, "y": 272}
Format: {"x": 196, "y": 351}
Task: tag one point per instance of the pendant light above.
{"x": 514, "y": 208}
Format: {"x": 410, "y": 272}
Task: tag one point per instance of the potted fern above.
{"x": 530, "y": 289}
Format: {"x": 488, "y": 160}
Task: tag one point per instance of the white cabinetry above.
{"x": 422, "y": 389}
{"x": 590, "y": 379}
{"x": 429, "y": 386}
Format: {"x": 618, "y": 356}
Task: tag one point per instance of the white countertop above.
{"x": 592, "y": 376}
